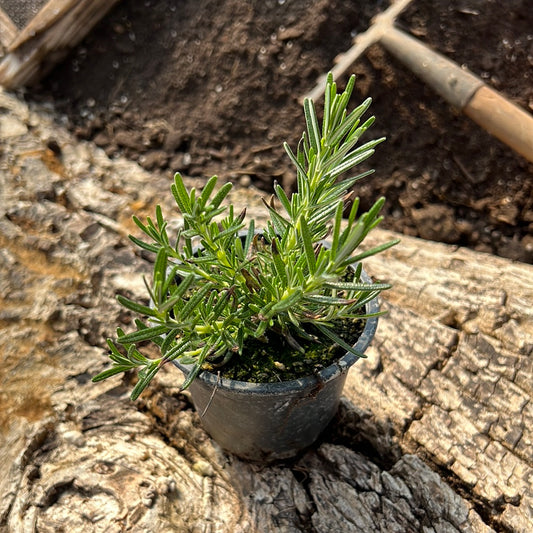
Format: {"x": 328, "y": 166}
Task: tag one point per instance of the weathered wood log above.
{"x": 434, "y": 433}
{"x": 47, "y": 38}
{"x": 464, "y": 377}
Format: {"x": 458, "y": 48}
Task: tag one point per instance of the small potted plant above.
{"x": 264, "y": 323}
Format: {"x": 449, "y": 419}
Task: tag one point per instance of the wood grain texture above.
{"x": 433, "y": 434}
{"x": 8, "y": 31}
{"x": 47, "y": 38}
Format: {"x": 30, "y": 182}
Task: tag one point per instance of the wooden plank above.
{"x": 58, "y": 27}
{"x": 51, "y": 12}
{"x": 8, "y": 30}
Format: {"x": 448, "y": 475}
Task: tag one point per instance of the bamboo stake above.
{"x": 465, "y": 91}
{"x": 462, "y": 89}
{"x": 380, "y": 24}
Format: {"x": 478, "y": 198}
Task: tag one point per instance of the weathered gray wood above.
{"x": 433, "y": 434}
{"x": 47, "y": 38}
{"x": 470, "y": 381}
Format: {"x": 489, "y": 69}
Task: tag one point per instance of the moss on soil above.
{"x": 272, "y": 360}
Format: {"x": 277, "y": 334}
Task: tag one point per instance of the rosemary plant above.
{"x": 217, "y": 284}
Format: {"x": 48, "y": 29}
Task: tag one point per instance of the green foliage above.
{"x": 216, "y": 284}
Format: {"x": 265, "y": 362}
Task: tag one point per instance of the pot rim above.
{"x": 282, "y": 387}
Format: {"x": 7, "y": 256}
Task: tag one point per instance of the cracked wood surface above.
{"x": 433, "y": 434}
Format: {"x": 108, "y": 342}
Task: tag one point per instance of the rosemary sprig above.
{"x": 218, "y": 285}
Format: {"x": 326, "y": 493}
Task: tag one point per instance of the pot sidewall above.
{"x": 266, "y": 426}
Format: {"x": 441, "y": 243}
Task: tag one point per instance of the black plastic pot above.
{"x": 271, "y": 421}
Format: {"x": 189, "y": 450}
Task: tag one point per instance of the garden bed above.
{"x": 212, "y": 86}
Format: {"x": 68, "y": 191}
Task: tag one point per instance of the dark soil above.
{"x": 213, "y": 86}
{"x": 272, "y": 359}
